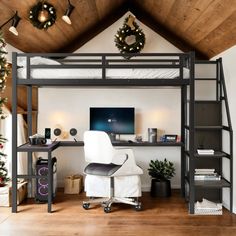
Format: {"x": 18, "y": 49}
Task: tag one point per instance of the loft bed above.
{"x": 108, "y": 70}
{"x": 113, "y": 70}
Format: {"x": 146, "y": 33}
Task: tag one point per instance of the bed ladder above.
{"x": 212, "y": 128}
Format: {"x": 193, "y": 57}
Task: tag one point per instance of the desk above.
{"x": 51, "y": 147}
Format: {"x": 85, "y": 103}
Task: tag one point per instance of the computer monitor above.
{"x": 116, "y": 120}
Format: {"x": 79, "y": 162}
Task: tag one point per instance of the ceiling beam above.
{"x": 160, "y": 29}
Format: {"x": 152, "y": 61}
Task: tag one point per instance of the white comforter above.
{"x": 97, "y": 73}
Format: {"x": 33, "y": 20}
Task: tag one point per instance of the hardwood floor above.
{"x": 160, "y": 216}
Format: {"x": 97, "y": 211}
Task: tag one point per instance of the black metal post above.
{"x": 103, "y": 67}
{"x": 183, "y": 139}
{"x": 231, "y": 171}
{"x": 14, "y": 132}
{"x": 50, "y": 180}
{"x": 191, "y": 136}
{"x": 29, "y": 125}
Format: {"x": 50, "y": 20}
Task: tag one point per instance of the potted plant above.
{"x": 161, "y": 173}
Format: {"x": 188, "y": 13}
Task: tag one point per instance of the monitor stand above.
{"x": 112, "y": 136}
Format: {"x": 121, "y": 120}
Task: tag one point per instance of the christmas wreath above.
{"x": 130, "y": 38}
{"x": 42, "y": 15}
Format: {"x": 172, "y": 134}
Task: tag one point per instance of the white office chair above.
{"x": 112, "y": 173}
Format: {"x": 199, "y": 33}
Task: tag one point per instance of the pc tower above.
{"x": 41, "y": 194}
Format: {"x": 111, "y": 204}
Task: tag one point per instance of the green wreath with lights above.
{"x": 48, "y": 18}
{"x": 130, "y": 38}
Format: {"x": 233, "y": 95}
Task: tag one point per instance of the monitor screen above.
{"x": 117, "y": 120}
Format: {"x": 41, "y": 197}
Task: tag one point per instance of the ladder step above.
{"x": 205, "y": 79}
{"x": 205, "y": 101}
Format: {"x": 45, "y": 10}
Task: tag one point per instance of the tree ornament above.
{"x": 4, "y": 71}
{"x": 130, "y": 38}
{"x": 42, "y": 15}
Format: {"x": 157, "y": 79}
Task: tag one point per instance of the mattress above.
{"x": 81, "y": 73}
{"x": 97, "y": 73}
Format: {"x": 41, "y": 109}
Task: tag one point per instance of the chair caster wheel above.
{"x": 86, "y": 206}
{"x": 138, "y": 207}
{"x": 107, "y": 209}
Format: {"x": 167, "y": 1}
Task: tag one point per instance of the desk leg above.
{"x": 50, "y": 179}
{"x": 14, "y": 181}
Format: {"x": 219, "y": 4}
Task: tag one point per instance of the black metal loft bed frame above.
{"x": 103, "y": 62}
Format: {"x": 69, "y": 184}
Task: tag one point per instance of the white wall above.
{"x": 104, "y": 42}
{"x": 228, "y": 58}
{"x": 158, "y": 108}
{"x": 11, "y": 49}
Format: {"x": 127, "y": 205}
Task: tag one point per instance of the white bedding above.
{"x": 69, "y": 73}
{"x": 97, "y": 73}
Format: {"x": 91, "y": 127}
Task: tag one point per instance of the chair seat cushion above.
{"x": 101, "y": 169}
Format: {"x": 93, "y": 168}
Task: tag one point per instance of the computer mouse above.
{"x": 130, "y": 141}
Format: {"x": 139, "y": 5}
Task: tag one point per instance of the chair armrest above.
{"x": 120, "y": 157}
{"x": 129, "y": 166}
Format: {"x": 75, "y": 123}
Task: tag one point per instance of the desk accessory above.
{"x": 57, "y": 132}
{"x": 47, "y": 133}
{"x": 152, "y": 135}
{"x": 73, "y": 132}
{"x": 138, "y": 138}
{"x": 170, "y": 138}
{"x": 37, "y": 139}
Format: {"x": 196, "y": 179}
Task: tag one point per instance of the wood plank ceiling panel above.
{"x": 162, "y": 8}
{"x": 176, "y": 15}
{"x": 220, "y": 39}
{"x": 159, "y": 10}
{"x": 192, "y": 13}
{"x": 206, "y": 26}
{"x": 214, "y": 15}
{"x": 151, "y": 19}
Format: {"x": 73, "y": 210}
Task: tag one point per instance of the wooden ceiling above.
{"x": 206, "y": 26}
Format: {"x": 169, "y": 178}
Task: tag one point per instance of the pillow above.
{"x": 21, "y": 61}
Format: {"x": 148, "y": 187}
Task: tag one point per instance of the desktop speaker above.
{"x": 73, "y": 132}
{"x": 57, "y": 132}
{"x": 41, "y": 194}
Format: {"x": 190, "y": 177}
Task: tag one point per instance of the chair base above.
{"x": 107, "y": 202}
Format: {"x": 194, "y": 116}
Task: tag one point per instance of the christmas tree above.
{"x": 4, "y": 71}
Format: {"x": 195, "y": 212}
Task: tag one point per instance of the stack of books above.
{"x": 205, "y": 151}
{"x": 206, "y": 174}
{"x": 206, "y": 207}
